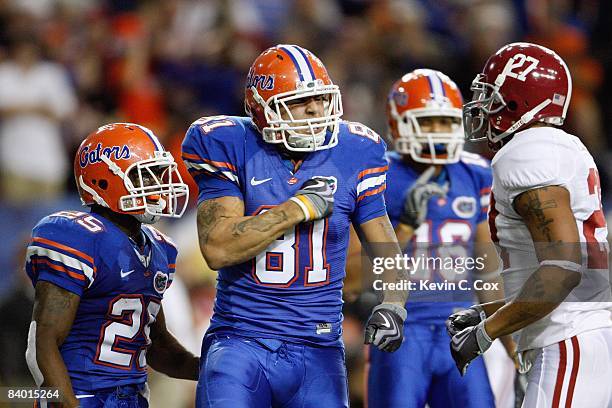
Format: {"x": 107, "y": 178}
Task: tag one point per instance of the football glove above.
{"x": 464, "y": 318}
{"x": 316, "y": 198}
{"x": 417, "y": 199}
{"x": 468, "y": 344}
{"x": 385, "y": 327}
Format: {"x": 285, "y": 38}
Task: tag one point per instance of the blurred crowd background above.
{"x": 69, "y": 66}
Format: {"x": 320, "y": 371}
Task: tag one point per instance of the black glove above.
{"x": 316, "y": 198}
{"x": 468, "y": 344}
{"x": 464, "y": 318}
{"x": 417, "y": 198}
{"x": 385, "y": 327}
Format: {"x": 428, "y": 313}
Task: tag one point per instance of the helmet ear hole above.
{"x": 103, "y": 184}
{"x": 512, "y": 105}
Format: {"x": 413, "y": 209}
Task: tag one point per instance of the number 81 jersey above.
{"x": 120, "y": 287}
{"x": 293, "y": 289}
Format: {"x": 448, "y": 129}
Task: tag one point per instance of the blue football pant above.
{"x": 422, "y": 371}
{"x": 126, "y": 396}
{"x": 241, "y": 372}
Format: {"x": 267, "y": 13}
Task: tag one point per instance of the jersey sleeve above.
{"x": 61, "y": 252}
{"x": 209, "y": 153}
{"x": 371, "y": 183}
{"x": 528, "y": 166}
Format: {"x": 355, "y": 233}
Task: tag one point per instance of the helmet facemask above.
{"x": 486, "y": 101}
{"x": 308, "y": 134}
{"x": 428, "y": 147}
{"x": 154, "y": 186}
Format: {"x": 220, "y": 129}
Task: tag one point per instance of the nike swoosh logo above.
{"x": 387, "y": 324}
{"x": 258, "y": 182}
{"x": 124, "y": 274}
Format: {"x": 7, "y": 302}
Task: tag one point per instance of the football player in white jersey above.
{"x": 547, "y": 221}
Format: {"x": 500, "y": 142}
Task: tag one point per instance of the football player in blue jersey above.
{"x": 436, "y": 194}
{"x": 277, "y": 193}
{"x": 100, "y": 276}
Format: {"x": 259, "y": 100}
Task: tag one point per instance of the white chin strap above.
{"x": 148, "y": 218}
{"x": 526, "y": 118}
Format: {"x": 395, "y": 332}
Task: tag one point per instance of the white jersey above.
{"x": 535, "y": 158}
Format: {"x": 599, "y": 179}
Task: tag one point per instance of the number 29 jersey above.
{"x": 536, "y": 158}
{"x": 292, "y": 290}
{"x": 120, "y": 291}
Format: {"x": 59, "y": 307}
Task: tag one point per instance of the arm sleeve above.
{"x": 371, "y": 184}
{"x": 209, "y": 154}
{"x": 63, "y": 255}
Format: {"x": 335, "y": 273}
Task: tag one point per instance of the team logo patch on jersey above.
{"x": 333, "y": 184}
{"x": 88, "y": 156}
{"x": 464, "y": 206}
{"x": 160, "y": 282}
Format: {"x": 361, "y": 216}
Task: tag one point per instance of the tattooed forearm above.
{"x": 264, "y": 223}
{"x": 228, "y": 237}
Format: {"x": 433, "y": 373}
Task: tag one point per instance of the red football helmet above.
{"x": 522, "y": 83}
{"x": 124, "y": 167}
{"x": 425, "y": 93}
{"x": 281, "y": 75}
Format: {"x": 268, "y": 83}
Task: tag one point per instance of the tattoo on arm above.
{"x": 532, "y": 209}
{"x": 209, "y": 214}
{"x": 260, "y": 224}
{"x": 53, "y": 307}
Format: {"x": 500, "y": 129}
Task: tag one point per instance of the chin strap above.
{"x": 525, "y": 119}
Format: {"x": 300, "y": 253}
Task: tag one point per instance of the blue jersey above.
{"x": 450, "y": 220}
{"x": 293, "y": 289}
{"x": 120, "y": 285}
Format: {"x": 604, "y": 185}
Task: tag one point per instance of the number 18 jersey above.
{"x": 292, "y": 290}
{"x": 448, "y": 232}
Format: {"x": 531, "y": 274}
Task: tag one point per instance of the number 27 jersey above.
{"x": 536, "y": 158}
{"x": 293, "y": 289}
